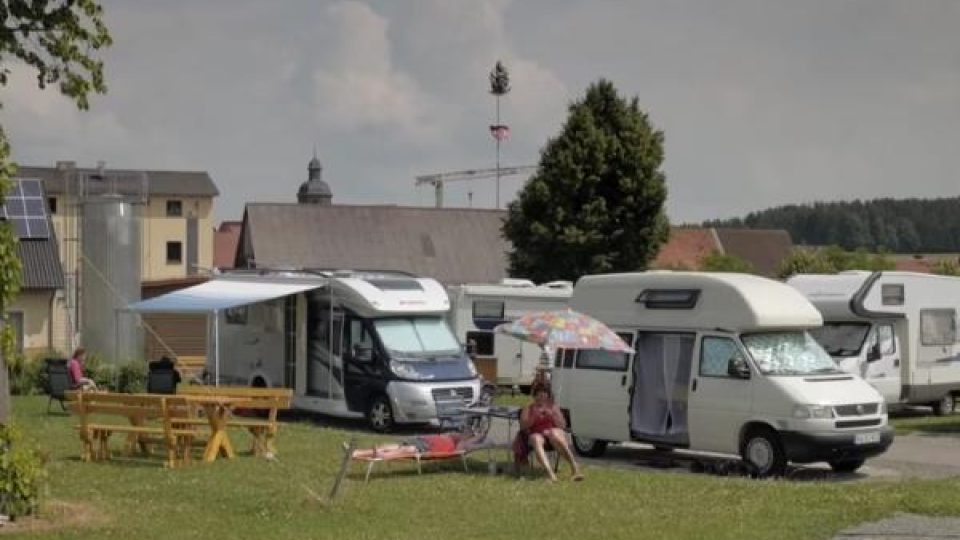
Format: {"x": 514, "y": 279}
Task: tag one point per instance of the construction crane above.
{"x": 439, "y": 179}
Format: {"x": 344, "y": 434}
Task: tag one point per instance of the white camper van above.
{"x": 349, "y": 344}
{"x": 897, "y": 330}
{"x": 478, "y": 308}
{"x": 723, "y": 364}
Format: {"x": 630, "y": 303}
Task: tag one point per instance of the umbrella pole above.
{"x": 216, "y": 347}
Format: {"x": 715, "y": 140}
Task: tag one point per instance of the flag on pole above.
{"x": 500, "y": 132}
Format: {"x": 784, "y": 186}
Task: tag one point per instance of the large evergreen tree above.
{"x": 596, "y": 202}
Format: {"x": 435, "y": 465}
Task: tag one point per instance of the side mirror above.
{"x": 874, "y": 353}
{"x": 737, "y": 368}
{"x": 362, "y": 354}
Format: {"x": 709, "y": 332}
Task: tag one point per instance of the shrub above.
{"x": 21, "y": 474}
{"x": 130, "y": 377}
{"x": 28, "y": 375}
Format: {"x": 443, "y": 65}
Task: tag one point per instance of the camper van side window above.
{"x": 938, "y": 326}
{"x": 669, "y": 298}
{"x": 715, "y": 356}
{"x": 482, "y": 341}
{"x": 891, "y": 294}
{"x": 885, "y": 338}
{"x": 487, "y": 314}
{"x": 236, "y": 315}
{"x": 600, "y": 359}
{"x": 568, "y": 356}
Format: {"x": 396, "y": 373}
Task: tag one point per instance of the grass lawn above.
{"x": 926, "y": 424}
{"x": 253, "y": 498}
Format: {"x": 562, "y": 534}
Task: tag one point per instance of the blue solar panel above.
{"x": 26, "y": 209}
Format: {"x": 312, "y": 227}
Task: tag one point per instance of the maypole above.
{"x": 499, "y": 86}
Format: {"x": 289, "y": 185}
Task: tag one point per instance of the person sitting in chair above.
{"x": 79, "y": 381}
{"x": 542, "y": 422}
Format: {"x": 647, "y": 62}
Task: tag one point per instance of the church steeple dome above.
{"x": 314, "y": 190}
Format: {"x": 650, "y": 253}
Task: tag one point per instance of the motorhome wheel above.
{"x": 847, "y": 465}
{"x": 380, "y": 414}
{"x": 762, "y": 450}
{"x": 589, "y": 447}
{"x": 946, "y": 405}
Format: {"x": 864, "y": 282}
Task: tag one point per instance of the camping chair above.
{"x": 58, "y": 382}
{"x": 162, "y": 381}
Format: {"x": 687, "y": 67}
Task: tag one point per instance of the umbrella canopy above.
{"x": 564, "y": 329}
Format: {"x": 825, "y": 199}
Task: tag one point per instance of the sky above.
{"x": 762, "y": 102}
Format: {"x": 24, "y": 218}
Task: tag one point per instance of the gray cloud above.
{"x": 762, "y": 102}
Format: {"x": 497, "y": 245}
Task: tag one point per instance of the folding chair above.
{"x": 58, "y": 382}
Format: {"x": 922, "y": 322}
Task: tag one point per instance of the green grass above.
{"x": 253, "y": 498}
{"x": 931, "y": 425}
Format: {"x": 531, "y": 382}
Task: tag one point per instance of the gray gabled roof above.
{"x": 453, "y": 245}
{"x": 163, "y": 183}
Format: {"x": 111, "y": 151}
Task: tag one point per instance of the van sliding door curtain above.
{"x": 661, "y": 378}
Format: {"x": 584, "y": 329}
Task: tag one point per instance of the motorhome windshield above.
{"x": 841, "y": 338}
{"x": 419, "y": 337}
{"x": 788, "y": 353}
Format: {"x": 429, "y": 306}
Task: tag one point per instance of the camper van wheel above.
{"x": 762, "y": 451}
{"x": 380, "y": 414}
{"x": 945, "y": 406}
{"x": 589, "y": 447}
{"x": 847, "y": 465}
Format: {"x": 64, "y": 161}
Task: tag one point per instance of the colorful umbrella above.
{"x": 564, "y": 329}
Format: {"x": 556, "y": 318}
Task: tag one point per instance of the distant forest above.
{"x": 896, "y": 225}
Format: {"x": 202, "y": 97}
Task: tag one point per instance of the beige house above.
{"x": 174, "y": 227}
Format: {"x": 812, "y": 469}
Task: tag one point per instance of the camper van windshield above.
{"x": 418, "y": 337}
{"x": 788, "y": 353}
{"x": 841, "y": 339}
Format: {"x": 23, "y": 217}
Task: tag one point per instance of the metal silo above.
{"x": 110, "y": 275}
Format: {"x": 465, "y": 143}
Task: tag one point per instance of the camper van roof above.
{"x": 541, "y": 291}
{"x": 860, "y": 294}
{"x": 695, "y": 300}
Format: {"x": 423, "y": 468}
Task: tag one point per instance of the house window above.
{"x": 52, "y": 204}
{"x": 174, "y": 252}
{"x": 15, "y": 320}
{"x": 174, "y": 208}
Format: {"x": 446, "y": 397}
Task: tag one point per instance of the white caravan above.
{"x": 723, "y": 364}
{"x": 897, "y": 330}
{"x": 351, "y": 345}
{"x": 478, "y": 308}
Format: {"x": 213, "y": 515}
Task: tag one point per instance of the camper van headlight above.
{"x": 407, "y": 371}
{"x": 813, "y": 411}
{"x": 472, "y": 368}
{"x": 882, "y": 409}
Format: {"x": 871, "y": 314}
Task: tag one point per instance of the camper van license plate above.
{"x": 866, "y": 438}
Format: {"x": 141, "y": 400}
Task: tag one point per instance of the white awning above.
{"x": 219, "y": 294}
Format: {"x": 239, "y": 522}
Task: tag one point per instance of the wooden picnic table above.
{"x": 216, "y": 410}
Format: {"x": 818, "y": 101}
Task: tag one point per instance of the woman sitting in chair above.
{"x": 543, "y": 422}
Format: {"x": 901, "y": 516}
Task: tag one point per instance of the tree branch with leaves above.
{"x": 58, "y": 39}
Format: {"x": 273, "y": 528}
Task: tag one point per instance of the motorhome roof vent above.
{"x": 396, "y": 284}
{"x": 515, "y": 282}
{"x": 668, "y": 298}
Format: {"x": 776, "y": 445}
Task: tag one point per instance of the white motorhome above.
{"x": 349, "y": 344}
{"x": 478, "y": 308}
{"x": 897, "y": 330}
{"x": 723, "y": 364}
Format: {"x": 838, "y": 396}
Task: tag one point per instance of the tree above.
{"x": 805, "y": 261}
{"x": 57, "y": 39}
{"x": 946, "y": 267}
{"x": 719, "y": 262}
{"x": 596, "y": 202}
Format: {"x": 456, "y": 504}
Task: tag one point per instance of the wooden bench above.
{"x": 191, "y": 367}
{"x": 268, "y": 401}
{"x": 143, "y": 418}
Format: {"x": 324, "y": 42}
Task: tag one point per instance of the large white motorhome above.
{"x": 723, "y": 364}
{"x": 478, "y": 308}
{"x": 349, "y": 344}
{"x": 898, "y": 330}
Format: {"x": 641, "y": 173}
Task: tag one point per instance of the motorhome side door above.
{"x": 937, "y": 358}
{"x": 596, "y": 392}
{"x": 882, "y": 366}
{"x": 720, "y": 394}
{"x": 363, "y": 364}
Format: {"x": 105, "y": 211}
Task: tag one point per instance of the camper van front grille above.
{"x": 858, "y": 423}
{"x": 464, "y": 393}
{"x": 859, "y": 409}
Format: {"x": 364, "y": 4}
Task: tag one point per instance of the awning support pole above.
{"x": 216, "y": 347}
